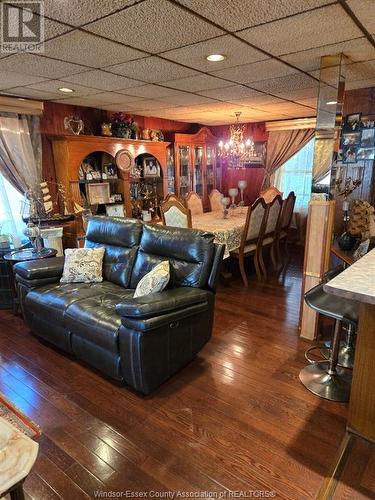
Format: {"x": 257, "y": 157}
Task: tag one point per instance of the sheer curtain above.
{"x": 20, "y": 168}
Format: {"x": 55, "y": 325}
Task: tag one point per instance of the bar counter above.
{"x": 357, "y": 282}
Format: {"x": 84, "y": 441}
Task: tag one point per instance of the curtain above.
{"x": 20, "y": 151}
{"x": 281, "y": 146}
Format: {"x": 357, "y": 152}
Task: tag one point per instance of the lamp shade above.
{"x": 242, "y": 184}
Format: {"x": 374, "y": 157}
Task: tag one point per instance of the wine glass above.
{"x": 225, "y": 202}
{"x": 233, "y": 192}
{"x": 242, "y": 185}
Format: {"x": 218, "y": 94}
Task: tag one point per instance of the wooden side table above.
{"x": 24, "y": 256}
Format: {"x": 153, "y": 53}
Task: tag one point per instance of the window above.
{"x": 11, "y": 212}
{"x": 296, "y": 175}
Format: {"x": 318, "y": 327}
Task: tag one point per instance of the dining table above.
{"x": 228, "y": 231}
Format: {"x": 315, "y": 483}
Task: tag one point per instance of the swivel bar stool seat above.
{"x": 325, "y": 378}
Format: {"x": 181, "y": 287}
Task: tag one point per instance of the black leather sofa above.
{"x": 141, "y": 341}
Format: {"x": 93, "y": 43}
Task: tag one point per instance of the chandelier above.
{"x": 237, "y": 152}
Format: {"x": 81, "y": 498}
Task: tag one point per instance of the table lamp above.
{"x": 233, "y": 192}
{"x": 242, "y": 186}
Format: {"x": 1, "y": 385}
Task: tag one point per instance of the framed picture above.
{"x": 151, "y": 167}
{"x": 368, "y": 138}
{"x": 351, "y": 139}
{"x": 352, "y": 122}
{"x": 115, "y": 210}
{"x": 366, "y": 154}
{"x": 349, "y": 154}
{"x": 98, "y": 193}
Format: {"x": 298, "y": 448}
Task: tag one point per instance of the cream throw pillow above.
{"x": 83, "y": 265}
{"x": 154, "y": 281}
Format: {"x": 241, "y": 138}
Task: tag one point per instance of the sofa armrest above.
{"x": 40, "y": 269}
{"x": 168, "y": 301}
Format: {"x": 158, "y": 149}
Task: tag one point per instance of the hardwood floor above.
{"x": 235, "y": 419}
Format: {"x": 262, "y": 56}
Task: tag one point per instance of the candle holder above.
{"x": 242, "y": 186}
{"x": 225, "y": 202}
{"x": 233, "y": 192}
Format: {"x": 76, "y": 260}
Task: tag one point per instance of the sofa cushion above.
{"x": 95, "y": 319}
{"x": 83, "y": 265}
{"x": 189, "y": 252}
{"x": 53, "y": 300}
{"x": 121, "y": 238}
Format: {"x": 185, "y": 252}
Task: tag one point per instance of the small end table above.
{"x": 24, "y": 256}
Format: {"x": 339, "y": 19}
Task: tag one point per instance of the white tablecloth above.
{"x": 227, "y": 231}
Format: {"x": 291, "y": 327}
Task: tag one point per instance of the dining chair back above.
{"x": 270, "y": 194}
{"x": 274, "y": 212}
{"x": 252, "y": 237}
{"x": 287, "y": 211}
{"x": 194, "y": 203}
{"x": 215, "y": 200}
{"x": 171, "y": 196}
{"x": 270, "y": 235}
{"x": 174, "y": 214}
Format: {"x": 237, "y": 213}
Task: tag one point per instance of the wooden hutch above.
{"x": 70, "y": 151}
{"x": 195, "y": 162}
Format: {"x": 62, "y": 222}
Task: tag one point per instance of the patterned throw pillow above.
{"x": 83, "y": 265}
{"x": 154, "y": 281}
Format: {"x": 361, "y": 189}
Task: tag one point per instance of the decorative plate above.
{"x": 124, "y": 160}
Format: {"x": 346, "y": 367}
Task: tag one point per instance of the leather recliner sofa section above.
{"x": 141, "y": 341}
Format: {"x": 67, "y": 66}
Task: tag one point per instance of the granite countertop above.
{"x": 357, "y": 282}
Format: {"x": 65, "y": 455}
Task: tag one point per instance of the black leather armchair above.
{"x": 141, "y": 341}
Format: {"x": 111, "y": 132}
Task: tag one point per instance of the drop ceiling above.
{"x": 148, "y": 57}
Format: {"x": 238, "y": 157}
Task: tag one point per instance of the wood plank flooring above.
{"x": 235, "y": 419}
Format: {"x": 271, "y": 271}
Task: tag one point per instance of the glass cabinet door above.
{"x": 210, "y": 172}
{"x": 198, "y": 170}
{"x": 170, "y": 171}
{"x": 183, "y": 152}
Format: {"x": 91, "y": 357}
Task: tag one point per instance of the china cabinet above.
{"x": 195, "y": 162}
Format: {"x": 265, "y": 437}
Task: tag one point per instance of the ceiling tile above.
{"x": 236, "y": 53}
{"x": 230, "y": 93}
{"x": 101, "y": 99}
{"x": 197, "y": 83}
{"x": 256, "y": 71}
{"x": 278, "y": 86}
{"x": 356, "y": 71}
{"x": 360, "y": 84}
{"x": 149, "y": 104}
{"x": 52, "y": 29}
{"x": 238, "y": 14}
{"x": 102, "y": 80}
{"x": 311, "y": 29}
{"x": 79, "y": 12}
{"x": 150, "y": 91}
{"x": 303, "y": 93}
{"x": 80, "y": 47}
{"x": 53, "y": 86}
{"x": 364, "y": 10}
{"x": 32, "y": 64}
{"x": 284, "y": 108}
{"x": 184, "y": 99}
{"x": 359, "y": 49}
{"x": 154, "y": 26}
{"x": 151, "y": 69}
{"x": 31, "y": 93}
{"x": 256, "y": 101}
{"x": 9, "y": 79}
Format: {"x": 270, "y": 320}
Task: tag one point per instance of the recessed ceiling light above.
{"x": 215, "y": 57}
{"x": 66, "y": 90}
{"x": 331, "y": 102}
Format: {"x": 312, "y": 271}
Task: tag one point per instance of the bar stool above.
{"x": 325, "y": 378}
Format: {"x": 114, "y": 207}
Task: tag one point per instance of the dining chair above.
{"x": 215, "y": 200}
{"x": 252, "y": 238}
{"x": 171, "y": 196}
{"x": 174, "y": 214}
{"x": 269, "y": 237}
{"x": 270, "y": 194}
{"x": 194, "y": 203}
{"x": 285, "y": 222}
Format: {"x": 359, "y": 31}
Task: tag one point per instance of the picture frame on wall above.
{"x": 366, "y": 154}
{"x": 352, "y": 122}
{"x": 349, "y": 154}
{"x": 351, "y": 139}
{"x": 368, "y": 138}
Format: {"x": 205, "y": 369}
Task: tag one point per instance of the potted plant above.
{"x": 123, "y": 126}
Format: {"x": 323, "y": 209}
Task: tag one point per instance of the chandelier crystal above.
{"x": 237, "y": 152}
